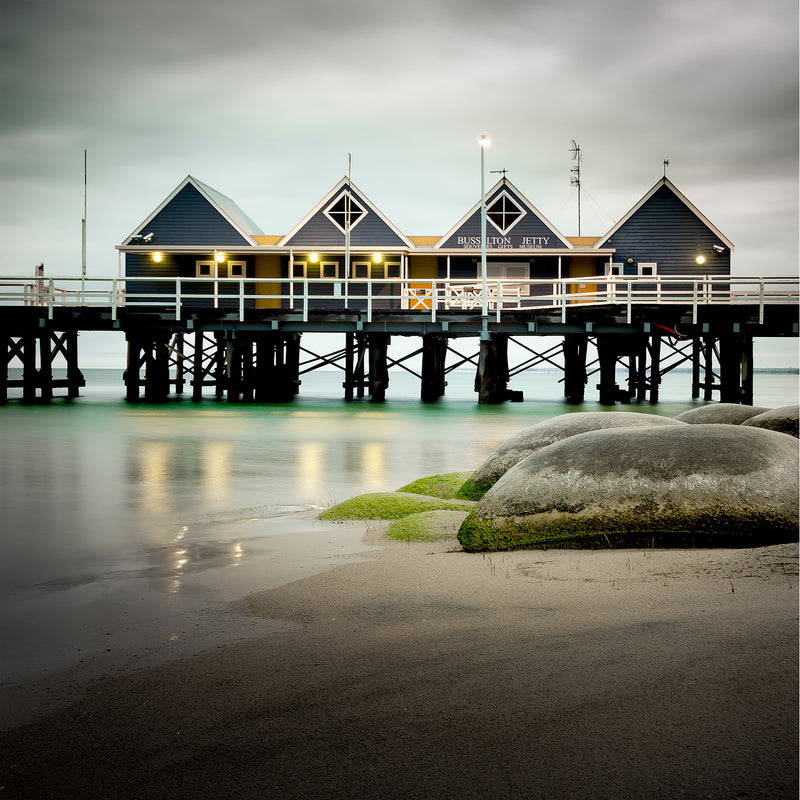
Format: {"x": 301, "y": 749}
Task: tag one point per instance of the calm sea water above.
{"x": 125, "y": 528}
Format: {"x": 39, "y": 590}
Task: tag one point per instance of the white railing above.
{"x": 424, "y": 296}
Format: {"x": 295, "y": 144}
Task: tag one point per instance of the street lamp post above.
{"x": 484, "y": 141}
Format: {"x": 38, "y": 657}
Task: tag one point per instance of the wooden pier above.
{"x": 247, "y": 354}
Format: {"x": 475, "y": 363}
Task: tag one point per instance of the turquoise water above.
{"x": 116, "y": 514}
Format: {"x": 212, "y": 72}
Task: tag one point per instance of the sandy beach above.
{"x": 422, "y": 671}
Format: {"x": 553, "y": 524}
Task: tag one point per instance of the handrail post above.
{"x": 177, "y": 298}
{"x": 51, "y": 298}
{"x": 305, "y": 299}
{"x": 761, "y": 301}
{"x": 694, "y": 302}
{"x": 369, "y": 298}
{"x": 114, "y": 298}
{"x": 563, "y": 302}
{"x": 241, "y": 299}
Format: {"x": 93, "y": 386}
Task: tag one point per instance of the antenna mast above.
{"x": 575, "y": 179}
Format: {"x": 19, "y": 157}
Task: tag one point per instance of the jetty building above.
{"x": 208, "y": 300}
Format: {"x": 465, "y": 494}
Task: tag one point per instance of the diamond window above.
{"x": 336, "y": 212}
{"x": 504, "y": 213}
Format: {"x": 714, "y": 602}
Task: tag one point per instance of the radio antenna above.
{"x": 575, "y": 178}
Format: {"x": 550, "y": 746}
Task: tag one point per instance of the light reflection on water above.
{"x": 99, "y": 494}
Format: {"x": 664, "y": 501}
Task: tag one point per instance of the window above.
{"x": 319, "y": 269}
{"x": 369, "y": 269}
{"x": 204, "y": 269}
{"x": 648, "y": 268}
{"x": 336, "y": 212}
{"x": 504, "y": 213}
{"x": 236, "y": 269}
{"x": 615, "y": 268}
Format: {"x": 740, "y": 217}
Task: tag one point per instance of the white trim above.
{"x": 509, "y": 198}
{"x": 198, "y": 266}
{"x": 355, "y": 206}
{"x": 237, "y": 264}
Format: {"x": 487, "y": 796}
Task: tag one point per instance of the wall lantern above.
{"x": 313, "y": 258}
{"x": 157, "y": 257}
{"x": 220, "y": 257}
{"x": 630, "y": 261}
{"x": 701, "y": 259}
{"x": 377, "y": 258}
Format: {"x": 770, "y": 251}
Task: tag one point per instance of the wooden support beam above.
{"x": 492, "y": 377}
{"x": 607, "y": 355}
{"x": 434, "y": 357}
{"x": 655, "y": 367}
{"x": 378, "y": 366}
{"x": 736, "y": 369}
{"x": 574, "y": 348}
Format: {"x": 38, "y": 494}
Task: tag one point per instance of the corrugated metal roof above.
{"x": 229, "y": 209}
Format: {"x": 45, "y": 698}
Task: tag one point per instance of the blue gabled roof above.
{"x": 665, "y": 188}
{"x": 369, "y": 226}
{"x": 531, "y": 225}
{"x": 196, "y": 214}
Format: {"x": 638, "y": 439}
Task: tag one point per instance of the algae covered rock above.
{"x": 389, "y": 505}
{"x": 685, "y": 485}
{"x": 427, "y": 526}
{"x": 445, "y": 486}
{"x": 545, "y": 433}
{"x": 720, "y": 414}
{"x": 783, "y": 419}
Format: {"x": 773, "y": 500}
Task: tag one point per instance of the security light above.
{"x": 718, "y": 249}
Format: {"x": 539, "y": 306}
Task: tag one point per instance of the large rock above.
{"x": 545, "y": 433}
{"x": 783, "y": 419}
{"x": 684, "y": 486}
{"x": 720, "y": 414}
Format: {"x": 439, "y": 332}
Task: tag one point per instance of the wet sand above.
{"x": 426, "y": 672}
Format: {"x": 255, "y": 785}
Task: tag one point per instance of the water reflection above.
{"x": 216, "y": 465}
{"x": 310, "y": 466}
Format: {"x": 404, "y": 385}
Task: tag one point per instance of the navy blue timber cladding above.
{"x": 666, "y": 231}
{"x": 189, "y": 219}
{"x": 371, "y": 231}
{"x": 141, "y": 265}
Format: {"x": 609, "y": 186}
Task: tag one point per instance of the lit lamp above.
{"x": 484, "y": 142}
{"x": 157, "y": 257}
{"x": 700, "y": 260}
{"x": 313, "y": 258}
{"x": 377, "y": 258}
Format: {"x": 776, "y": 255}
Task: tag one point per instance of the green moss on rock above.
{"x": 445, "y": 486}
{"x": 427, "y": 526}
{"x": 472, "y": 490}
{"x": 389, "y": 505}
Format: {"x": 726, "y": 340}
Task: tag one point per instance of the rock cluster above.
{"x": 663, "y": 483}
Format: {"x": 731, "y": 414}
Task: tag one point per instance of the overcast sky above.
{"x": 263, "y": 101}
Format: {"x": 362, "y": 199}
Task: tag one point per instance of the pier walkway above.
{"x": 243, "y": 337}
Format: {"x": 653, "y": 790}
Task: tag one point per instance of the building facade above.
{"x": 345, "y": 250}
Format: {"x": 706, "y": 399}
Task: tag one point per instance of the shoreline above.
{"x": 420, "y": 670}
